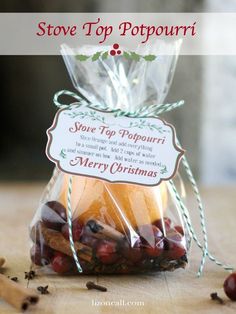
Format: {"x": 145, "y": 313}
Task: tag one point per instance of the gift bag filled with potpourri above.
{"x": 112, "y": 205}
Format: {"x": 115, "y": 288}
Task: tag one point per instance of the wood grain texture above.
{"x": 177, "y": 292}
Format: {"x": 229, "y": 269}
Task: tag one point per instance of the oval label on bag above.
{"x": 90, "y": 142}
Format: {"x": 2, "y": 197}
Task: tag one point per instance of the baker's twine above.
{"x": 145, "y": 112}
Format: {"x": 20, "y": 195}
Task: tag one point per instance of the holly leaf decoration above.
{"x": 130, "y": 55}
{"x": 126, "y": 55}
{"x": 82, "y": 57}
{"x": 96, "y": 56}
{"x": 149, "y": 57}
{"x": 135, "y": 56}
{"x": 105, "y": 55}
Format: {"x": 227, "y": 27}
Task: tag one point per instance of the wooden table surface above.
{"x": 177, "y": 292}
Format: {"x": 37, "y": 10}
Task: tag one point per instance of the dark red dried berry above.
{"x": 230, "y": 286}
{"x": 53, "y": 215}
{"x": 163, "y": 224}
{"x": 77, "y": 229}
{"x": 179, "y": 229}
{"x": 175, "y": 245}
{"x": 41, "y": 254}
{"x": 61, "y": 263}
{"x": 132, "y": 253}
{"x": 106, "y": 251}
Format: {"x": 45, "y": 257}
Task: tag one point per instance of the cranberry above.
{"x": 61, "y": 263}
{"x": 116, "y": 46}
{"x": 152, "y": 240}
{"x": 133, "y": 253}
{"x": 230, "y": 286}
{"x": 175, "y": 245}
{"x": 179, "y": 229}
{"x": 163, "y": 224}
{"x": 35, "y": 233}
{"x": 77, "y": 230}
{"x": 149, "y": 234}
{"x": 106, "y": 251}
{"x": 41, "y": 255}
{"x": 53, "y": 215}
{"x": 157, "y": 250}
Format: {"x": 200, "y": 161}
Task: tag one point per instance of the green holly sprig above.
{"x": 129, "y": 55}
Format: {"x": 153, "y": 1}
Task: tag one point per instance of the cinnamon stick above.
{"x": 16, "y": 295}
{"x": 56, "y": 241}
{"x": 100, "y": 229}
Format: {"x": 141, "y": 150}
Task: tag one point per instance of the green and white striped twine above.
{"x": 69, "y": 220}
{"x": 145, "y": 112}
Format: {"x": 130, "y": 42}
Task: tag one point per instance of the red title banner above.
{"x": 102, "y": 31}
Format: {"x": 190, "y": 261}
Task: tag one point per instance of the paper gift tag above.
{"x": 94, "y": 143}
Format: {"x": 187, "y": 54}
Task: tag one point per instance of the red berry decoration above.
{"x": 77, "y": 230}
{"x": 112, "y": 52}
{"x": 53, "y": 215}
{"x": 133, "y": 253}
{"x": 175, "y": 245}
{"x": 230, "y": 286}
{"x": 61, "y": 263}
{"x": 116, "y": 46}
{"x": 41, "y": 255}
{"x": 107, "y": 252}
{"x": 118, "y": 52}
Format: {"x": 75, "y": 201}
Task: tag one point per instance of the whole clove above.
{"x": 43, "y": 290}
{"x": 91, "y": 285}
{"x": 13, "y": 278}
{"x": 30, "y": 275}
{"x": 215, "y": 297}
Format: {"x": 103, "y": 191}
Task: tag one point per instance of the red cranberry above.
{"x": 61, "y": 263}
{"x": 77, "y": 230}
{"x": 53, "y": 215}
{"x": 116, "y": 46}
{"x": 107, "y": 252}
{"x": 152, "y": 239}
{"x": 157, "y": 250}
{"x": 35, "y": 233}
{"x": 179, "y": 229}
{"x": 112, "y": 52}
{"x": 149, "y": 234}
{"x": 230, "y": 286}
{"x": 175, "y": 245}
{"x": 163, "y": 224}
{"x": 133, "y": 253}
{"x": 41, "y": 255}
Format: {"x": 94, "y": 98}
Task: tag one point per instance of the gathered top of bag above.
{"x": 120, "y": 83}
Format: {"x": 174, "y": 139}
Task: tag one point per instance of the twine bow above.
{"x": 145, "y": 112}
